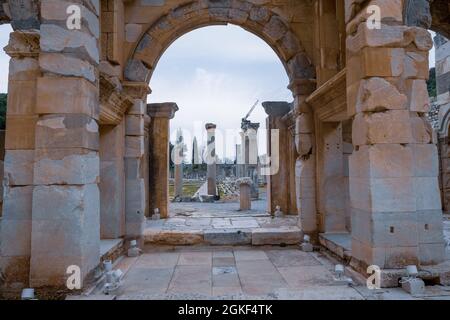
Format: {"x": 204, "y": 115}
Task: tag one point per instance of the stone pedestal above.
{"x": 161, "y": 113}
{"x": 278, "y": 178}
{"x": 211, "y": 174}
{"x": 245, "y": 200}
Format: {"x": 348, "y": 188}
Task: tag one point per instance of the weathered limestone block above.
{"x": 392, "y": 11}
{"x": 300, "y": 67}
{"x": 421, "y": 129}
{"x": 389, "y": 36}
{"x": 24, "y": 14}
{"x": 276, "y": 236}
{"x": 304, "y": 143}
{"x": 62, "y": 131}
{"x": 385, "y": 230}
{"x": 228, "y": 237}
{"x": 385, "y": 258}
{"x": 425, "y": 160}
{"x": 66, "y": 231}
{"x": 304, "y": 123}
{"x": 65, "y": 65}
{"x": 135, "y": 70}
{"x": 54, "y": 97}
{"x": 59, "y": 39}
{"x": 377, "y": 94}
{"x": 22, "y": 69}
{"x": 429, "y": 226}
{"x": 134, "y": 146}
{"x": 416, "y": 65}
{"x": 418, "y": 99}
{"x": 56, "y": 10}
{"x": 173, "y": 237}
{"x": 66, "y": 166}
{"x": 134, "y": 125}
{"x": 148, "y": 50}
{"x": 18, "y": 167}
{"x": 383, "y": 161}
{"x": 427, "y": 193}
{"x": 20, "y": 134}
{"x": 19, "y": 103}
{"x": 393, "y": 126}
{"x": 382, "y": 62}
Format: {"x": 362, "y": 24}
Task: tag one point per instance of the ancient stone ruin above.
{"x": 86, "y": 156}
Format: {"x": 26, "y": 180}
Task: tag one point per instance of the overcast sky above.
{"x": 214, "y": 74}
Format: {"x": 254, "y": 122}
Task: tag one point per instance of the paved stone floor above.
{"x": 195, "y": 215}
{"x": 243, "y": 273}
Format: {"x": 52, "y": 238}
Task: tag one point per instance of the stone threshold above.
{"x": 219, "y": 237}
{"x": 338, "y": 243}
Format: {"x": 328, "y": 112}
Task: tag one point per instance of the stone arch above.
{"x": 434, "y": 15}
{"x": 257, "y": 19}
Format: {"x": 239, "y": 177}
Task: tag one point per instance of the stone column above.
{"x": 211, "y": 159}
{"x": 161, "y": 113}
{"x": 305, "y": 167}
{"x": 135, "y": 193}
{"x": 179, "y": 180}
{"x": 178, "y": 158}
{"x": 66, "y": 200}
{"x": 394, "y": 191}
{"x": 112, "y": 181}
{"x": 278, "y": 181}
{"x": 250, "y": 135}
{"x": 21, "y": 120}
{"x": 245, "y": 200}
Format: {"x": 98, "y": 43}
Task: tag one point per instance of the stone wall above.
{"x": 442, "y": 104}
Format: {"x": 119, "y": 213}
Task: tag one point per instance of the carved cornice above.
{"x": 114, "y": 102}
{"x": 23, "y": 44}
{"x": 329, "y": 101}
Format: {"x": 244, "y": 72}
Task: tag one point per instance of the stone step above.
{"x": 224, "y": 237}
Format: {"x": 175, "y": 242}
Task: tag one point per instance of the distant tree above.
{"x": 3, "y": 102}
{"x": 431, "y": 83}
{"x": 171, "y": 163}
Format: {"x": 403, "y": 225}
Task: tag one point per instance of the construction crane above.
{"x": 251, "y": 110}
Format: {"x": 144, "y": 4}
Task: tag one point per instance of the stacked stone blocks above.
{"x": 396, "y": 210}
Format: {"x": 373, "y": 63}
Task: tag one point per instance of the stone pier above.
{"x": 161, "y": 113}
{"x": 277, "y": 181}
{"x": 394, "y": 190}
{"x": 211, "y": 159}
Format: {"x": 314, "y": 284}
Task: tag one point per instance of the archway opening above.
{"x": 218, "y": 75}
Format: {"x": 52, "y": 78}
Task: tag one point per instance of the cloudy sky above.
{"x": 214, "y": 74}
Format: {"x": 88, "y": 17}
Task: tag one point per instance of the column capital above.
{"x": 137, "y": 90}
{"x": 210, "y": 126}
{"x": 162, "y": 110}
{"x": 276, "y": 108}
{"x": 24, "y": 43}
{"x": 247, "y": 124}
{"x": 302, "y": 87}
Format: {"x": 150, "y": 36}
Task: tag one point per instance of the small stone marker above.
{"x": 245, "y": 193}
